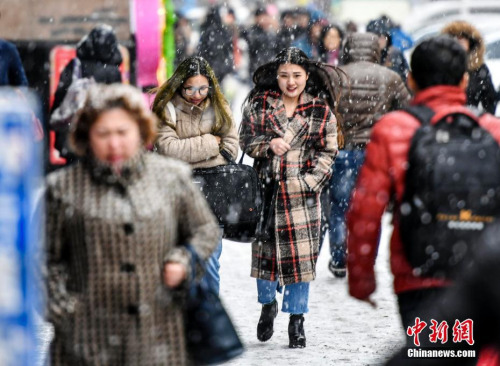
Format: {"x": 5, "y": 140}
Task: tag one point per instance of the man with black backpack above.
{"x": 440, "y": 165}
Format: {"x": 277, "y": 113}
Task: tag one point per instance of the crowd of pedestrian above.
{"x": 335, "y": 122}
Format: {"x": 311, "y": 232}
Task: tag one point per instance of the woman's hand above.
{"x": 174, "y": 274}
{"x": 218, "y": 138}
{"x": 279, "y": 146}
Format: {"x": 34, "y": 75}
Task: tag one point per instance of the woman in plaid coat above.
{"x": 289, "y": 128}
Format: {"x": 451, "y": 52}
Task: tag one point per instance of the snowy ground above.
{"x": 340, "y": 330}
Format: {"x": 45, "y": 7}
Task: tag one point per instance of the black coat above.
{"x": 262, "y": 47}
{"x": 100, "y": 58}
{"x": 481, "y": 89}
{"x": 216, "y": 45}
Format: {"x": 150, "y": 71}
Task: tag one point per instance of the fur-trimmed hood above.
{"x": 463, "y": 29}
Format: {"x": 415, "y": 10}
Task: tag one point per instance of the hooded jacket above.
{"x": 481, "y": 89}
{"x": 100, "y": 57}
{"x": 372, "y": 89}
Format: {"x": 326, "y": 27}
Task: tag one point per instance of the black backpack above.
{"x": 452, "y": 191}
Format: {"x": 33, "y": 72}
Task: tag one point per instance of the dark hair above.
{"x": 439, "y": 60}
{"x": 323, "y": 81}
{"x": 259, "y": 11}
{"x": 322, "y": 50}
{"x": 193, "y": 66}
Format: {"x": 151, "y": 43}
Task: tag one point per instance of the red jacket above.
{"x": 382, "y": 177}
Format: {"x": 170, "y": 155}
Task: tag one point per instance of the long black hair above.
{"x": 324, "y": 80}
{"x": 193, "y": 66}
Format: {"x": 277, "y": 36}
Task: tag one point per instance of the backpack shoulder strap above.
{"x": 421, "y": 112}
{"x": 171, "y": 110}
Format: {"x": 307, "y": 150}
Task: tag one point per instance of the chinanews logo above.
{"x": 439, "y": 334}
{"x": 465, "y": 220}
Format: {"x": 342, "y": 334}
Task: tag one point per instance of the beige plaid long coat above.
{"x": 108, "y": 238}
{"x": 301, "y": 172}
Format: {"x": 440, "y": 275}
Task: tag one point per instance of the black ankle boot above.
{"x": 296, "y": 332}
{"x": 265, "y": 328}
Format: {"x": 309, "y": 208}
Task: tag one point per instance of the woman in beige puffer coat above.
{"x": 195, "y": 126}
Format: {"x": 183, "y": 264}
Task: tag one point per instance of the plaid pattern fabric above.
{"x": 108, "y": 237}
{"x": 290, "y": 256}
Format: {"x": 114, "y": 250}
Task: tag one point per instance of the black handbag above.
{"x": 210, "y": 335}
{"x": 233, "y": 192}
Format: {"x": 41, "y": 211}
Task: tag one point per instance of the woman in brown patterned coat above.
{"x": 115, "y": 224}
{"x": 291, "y": 132}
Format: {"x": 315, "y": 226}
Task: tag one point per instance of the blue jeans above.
{"x": 345, "y": 174}
{"x": 295, "y": 299}
{"x": 212, "y": 277}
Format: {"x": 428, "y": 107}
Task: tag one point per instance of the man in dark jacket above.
{"x": 439, "y": 80}
{"x": 261, "y": 40}
{"x": 100, "y": 59}
{"x": 11, "y": 68}
{"x": 216, "y": 44}
{"x": 372, "y": 91}
{"x": 390, "y": 56}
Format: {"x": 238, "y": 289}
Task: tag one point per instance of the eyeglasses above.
{"x": 191, "y": 90}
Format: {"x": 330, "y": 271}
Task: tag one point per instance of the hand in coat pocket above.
{"x": 174, "y": 274}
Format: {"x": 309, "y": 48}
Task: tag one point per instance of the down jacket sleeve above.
{"x": 367, "y": 206}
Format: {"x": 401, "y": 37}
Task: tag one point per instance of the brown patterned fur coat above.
{"x": 108, "y": 238}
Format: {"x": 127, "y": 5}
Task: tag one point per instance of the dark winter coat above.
{"x": 291, "y": 255}
{"x": 285, "y": 38}
{"x": 262, "y": 47}
{"x": 108, "y": 238}
{"x": 372, "y": 90}
{"x": 480, "y": 90}
{"x": 100, "y": 59}
{"x": 382, "y": 178}
{"x": 11, "y": 68}
{"x": 216, "y": 45}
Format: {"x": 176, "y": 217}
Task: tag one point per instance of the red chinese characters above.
{"x": 416, "y": 330}
{"x": 462, "y": 331}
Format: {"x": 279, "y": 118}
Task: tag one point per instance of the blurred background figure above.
{"x": 391, "y": 56}
{"x": 216, "y": 44}
{"x": 261, "y": 39}
{"x": 330, "y": 44}
{"x": 287, "y": 30}
{"x": 309, "y": 42}
{"x": 183, "y": 39}
{"x": 480, "y": 91}
{"x": 99, "y": 58}
{"x": 116, "y": 225}
{"x": 11, "y": 69}
{"x": 372, "y": 90}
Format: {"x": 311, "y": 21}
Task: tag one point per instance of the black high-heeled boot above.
{"x": 265, "y": 328}
{"x": 296, "y": 333}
